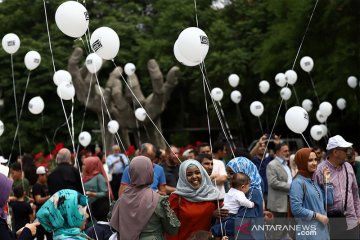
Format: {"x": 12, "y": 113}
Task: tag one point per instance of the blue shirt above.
{"x": 262, "y": 169}
{"x": 119, "y": 167}
{"x": 159, "y": 177}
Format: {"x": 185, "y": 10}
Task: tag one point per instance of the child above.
{"x": 22, "y": 211}
{"x": 19, "y": 180}
{"x": 100, "y": 208}
{"x": 235, "y": 198}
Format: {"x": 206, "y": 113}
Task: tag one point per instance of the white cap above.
{"x": 3, "y": 160}
{"x": 41, "y": 170}
{"x": 337, "y": 141}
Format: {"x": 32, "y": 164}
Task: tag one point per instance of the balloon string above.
{"x": 313, "y": 85}
{"x": 68, "y": 124}
{"x": 305, "y": 140}
{"x": 296, "y": 97}
{"x": 227, "y": 125}
{"x": 196, "y": 17}
{"x": 48, "y": 32}
{"x": 87, "y": 49}
{"x": 137, "y": 122}
{"x": 207, "y": 113}
{"x": 203, "y": 71}
{"x": 137, "y": 100}
{"x": 260, "y": 124}
{"x": 306, "y": 30}
{"x": 20, "y": 114}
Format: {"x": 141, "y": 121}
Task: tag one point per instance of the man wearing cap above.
{"x": 346, "y": 198}
{"x": 65, "y": 176}
{"x": 41, "y": 195}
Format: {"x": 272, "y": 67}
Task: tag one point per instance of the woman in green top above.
{"x": 95, "y": 180}
{"x": 140, "y": 213}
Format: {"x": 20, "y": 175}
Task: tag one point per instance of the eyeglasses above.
{"x": 348, "y": 151}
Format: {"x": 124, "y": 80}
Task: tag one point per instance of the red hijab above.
{"x": 301, "y": 160}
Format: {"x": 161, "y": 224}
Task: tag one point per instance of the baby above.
{"x": 235, "y": 198}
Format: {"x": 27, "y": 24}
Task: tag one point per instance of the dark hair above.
{"x": 242, "y": 152}
{"x": 100, "y": 209}
{"x": 279, "y": 146}
{"x": 18, "y": 191}
{"x": 16, "y": 166}
{"x": 218, "y": 146}
{"x": 239, "y": 179}
{"x": 100, "y": 155}
{"x": 201, "y": 235}
{"x": 202, "y": 156}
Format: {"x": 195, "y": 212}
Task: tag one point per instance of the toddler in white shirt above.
{"x": 235, "y": 198}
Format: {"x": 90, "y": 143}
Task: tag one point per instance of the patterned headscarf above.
{"x": 244, "y": 165}
{"x": 5, "y": 189}
{"x": 63, "y": 214}
{"x": 206, "y": 191}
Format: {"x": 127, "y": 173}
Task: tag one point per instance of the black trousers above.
{"x": 40, "y": 232}
{"x": 115, "y": 184}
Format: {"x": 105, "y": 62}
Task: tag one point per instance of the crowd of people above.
{"x": 208, "y": 192}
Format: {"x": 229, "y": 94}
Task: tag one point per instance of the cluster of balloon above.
{"x": 291, "y": 77}
{"x": 352, "y": 81}
{"x": 307, "y": 104}
{"x": 297, "y": 119}
{"x": 280, "y": 79}
{"x": 285, "y": 93}
{"x": 217, "y": 94}
{"x": 320, "y": 117}
{"x": 105, "y": 42}
{"x": 11, "y": 43}
{"x": 264, "y": 86}
{"x": 36, "y": 105}
{"x": 234, "y": 80}
{"x": 140, "y": 114}
{"x": 113, "y": 126}
{"x": 307, "y": 64}
{"x": 61, "y": 76}
{"x": 66, "y": 91}
{"x": 235, "y": 96}
{"x": 32, "y": 60}
{"x": 72, "y": 19}
{"x": 2, "y": 128}
{"x": 256, "y": 108}
{"x": 341, "y": 103}
{"x": 93, "y": 63}
{"x": 84, "y": 138}
{"x": 191, "y": 47}
{"x": 129, "y": 69}
{"x": 316, "y": 132}
{"x": 325, "y": 110}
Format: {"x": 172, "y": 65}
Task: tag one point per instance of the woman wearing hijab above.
{"x": 5, "y": 233}
{"x": 307, "y": 198}
{"x": 95, "y": 180}
{"x": 141, "y": 213}
{"x": 251, "y": 216}
{"x": 194, "y": 200}
{"x": 64, "y": 214}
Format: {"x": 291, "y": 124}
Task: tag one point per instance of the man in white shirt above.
{"x": 219, "y": 175}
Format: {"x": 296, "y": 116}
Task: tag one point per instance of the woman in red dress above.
{"x": 194, "y": 200}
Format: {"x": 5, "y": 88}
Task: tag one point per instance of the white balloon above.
{"x": 325, "y": 108}
{"x": 140, "y": 114}
{"x": 11, "y": 43}
{"x": 297, "y": 119}
{"x": 320, "y": 117}
{"x": 341, "y": 103}
{"x": 72, "y": 19}
{"x": 256, "y": 108}
{"x": 307, "y": 104}
{"x": 234, "y": 80}
{"x": 61, "y": 76}
{"x": 264, "y": 86}
{"x": 193, "y": 44}
{"x": 113, "y": 126}
{"x": 105, "y": 42}
{"x": 36, "y": 105}
{"x": 316, "y": 132}
{"x": 291, "y": 77}
{"x": 285, "y": 93}
{"x": 217, "y": 94}
{"x": 93, "y": 63}
{"x": 84, "y": 138}
{"x": 2, "y": 128}
{"x": 181, "y": 58}
{"x": 32, "y": 60}
{"x": 129, "y": 69}
{"x": 235, "y": 96}
{"x": 66, "y": 91}
{"x": 324, "y": 128}
{"x": 352, "y": 81}
{"x": 280, "y": 79}
{"x": 307, "y": 63}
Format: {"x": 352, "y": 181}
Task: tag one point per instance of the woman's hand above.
{"x": 223, "y": 213}
{"x": 268, "y": 216}
{"x": 322, "y": 218}
{"x": 30, "y": 226}
{"x": 326, "y": 174}
{"x": 91, "y": 194}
